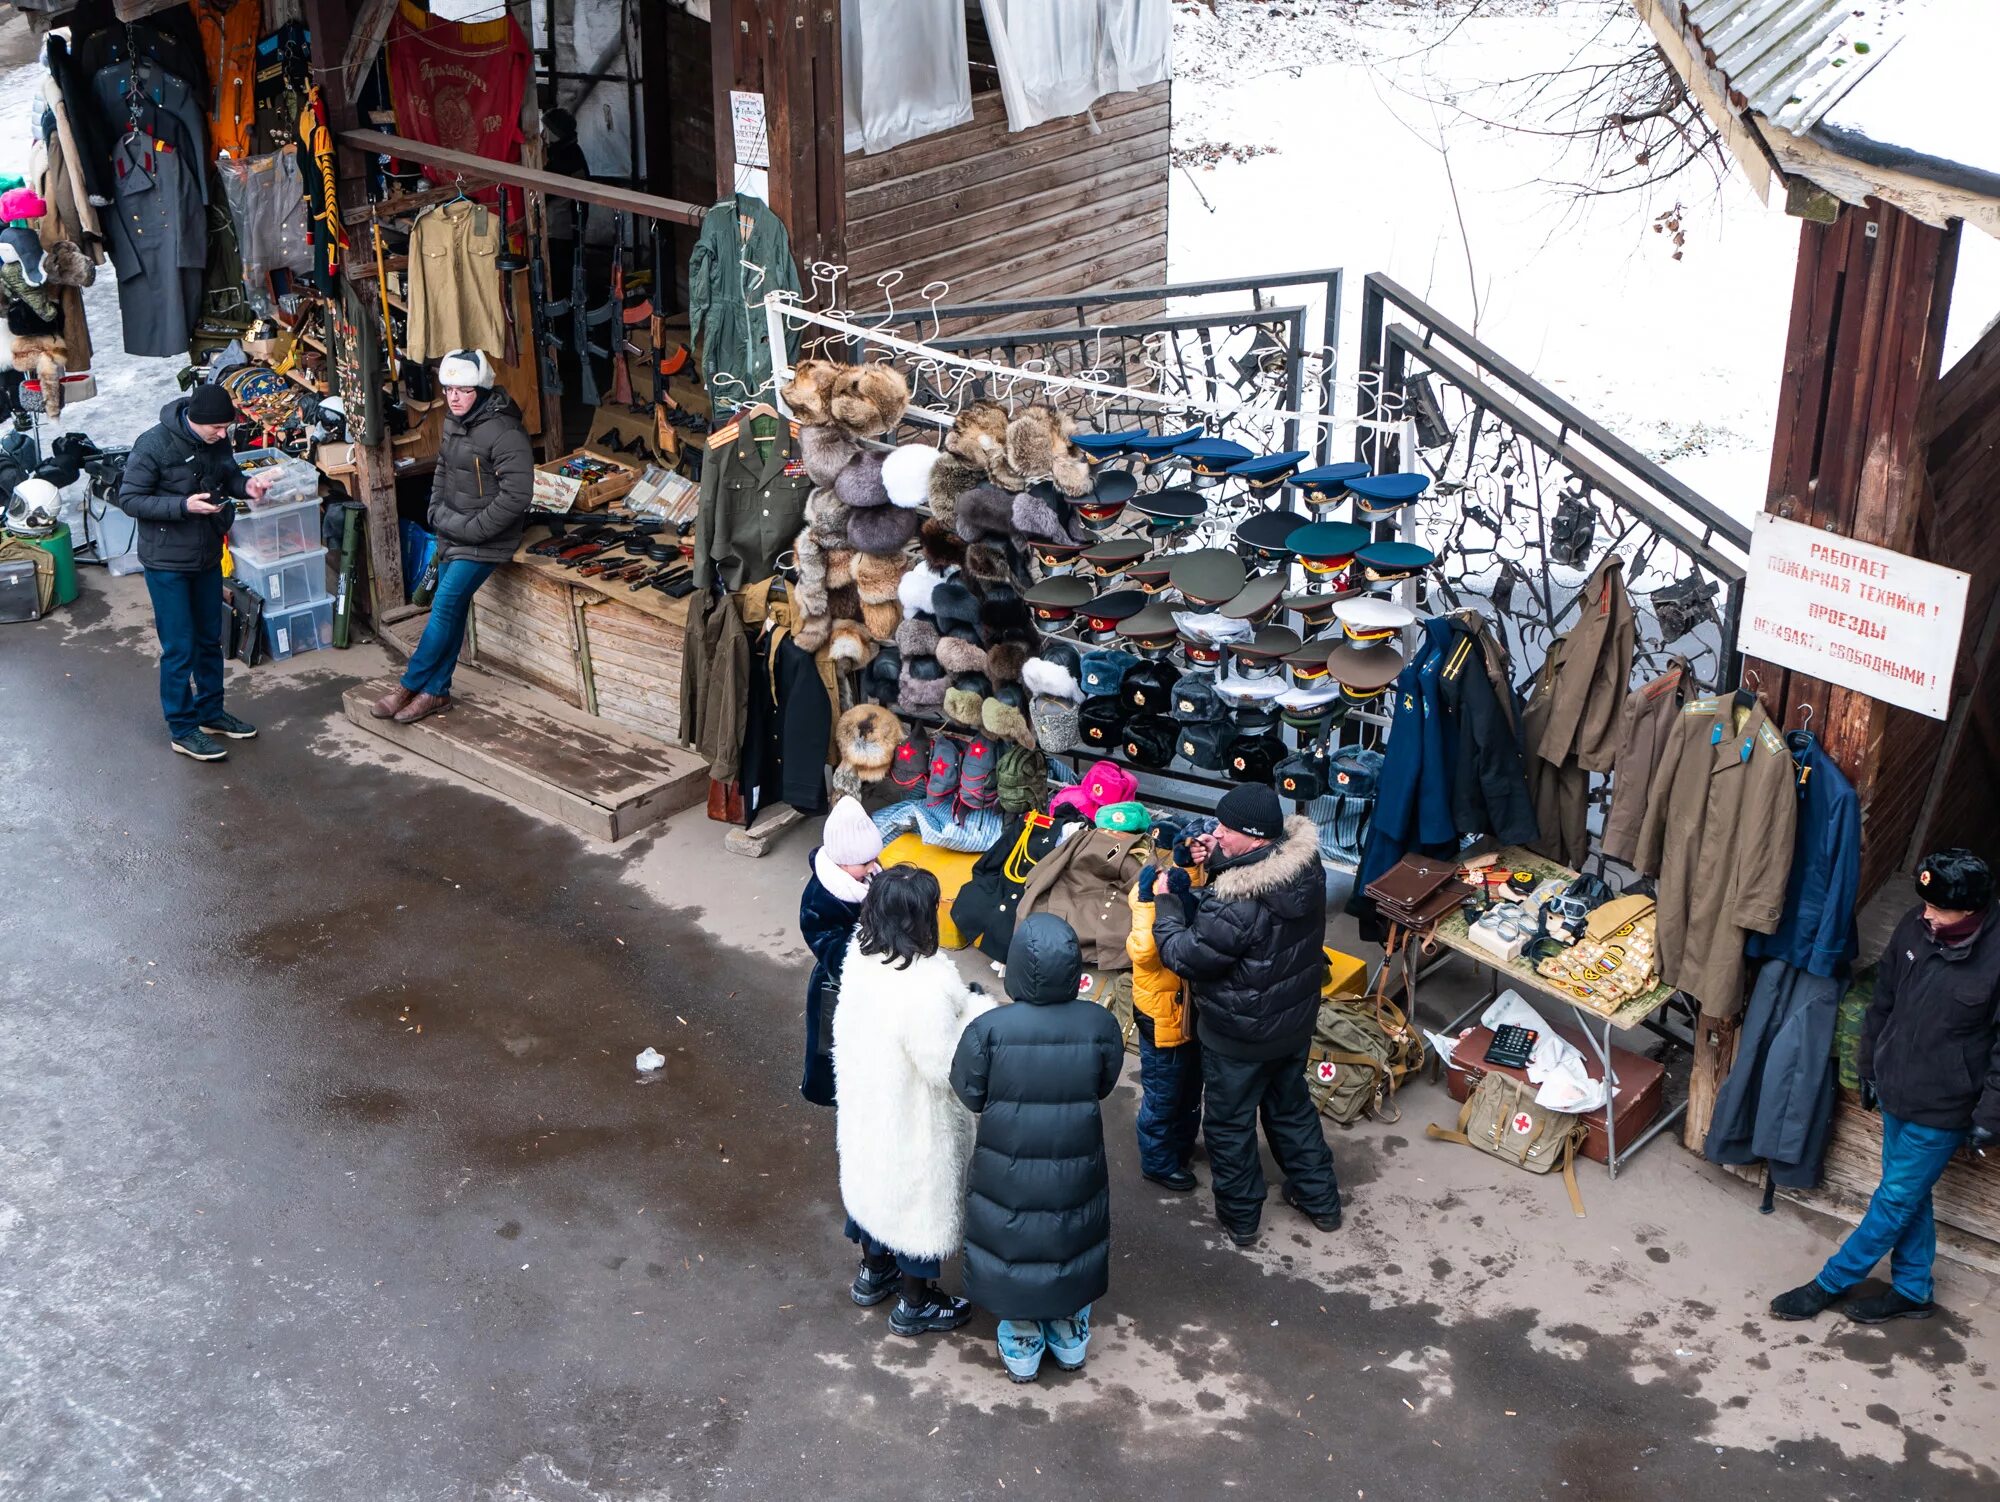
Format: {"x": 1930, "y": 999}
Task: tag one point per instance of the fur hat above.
{"x": 956, "y": 609}
{"x": 906, "y": 473}
{"x": 825, "y": 452}
{"x": 979, "y": 436}
{"x": 914, "y": 589}
{"x": 839, "y": 567}
{"x": 806, "y": 394}
{"x": 879, "y": 678}
{"x": 45, "y": 357}
{"x": 1005, "y": 659}
{"x": 876, "y": 578}
{"x": 1003, "y": 617}
{"x": 944, "y": 549}
{"x": 949, "y": 479}
{"x": 868, "y": 400}
{"x": 68, "y": 266}
{"x": 826, "y": 517}
{"x": 985, "y": 511}
{"x": 1005, "y": 715}
{"x": 916, "y": 638}
{"x": 1035, "y": 439}
{"x": 881, "y": 620}
{"x": 1054, "y": 720}
{"x": 1150, "y": 740}
{"x": 859, "y": 483}
{"x": 920, "y": 685}
{"x": 22, "y": 203}
{"x": 809, "y": 593}
{"x": 965, "y": 700}
{"x": 961, "y": 656}
{"x": 1054, "y": 672}
{"x": 467, "y": 367}
{"x": 867, "y": 737}
{"x": 1071, "y": 473}
{"x": 1035, "y": 520}
{"x": 988, "y": 564}
{"x": 883, "y": 530}
{"x": 1100, "y": 721}
{"x": 843, "y": 602}
{"x": 848, "y": 647}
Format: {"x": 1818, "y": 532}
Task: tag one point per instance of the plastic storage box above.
{"x": 276, "y": 531}
{"x": 284, "y": 582}
{"x": 298, "y": 628}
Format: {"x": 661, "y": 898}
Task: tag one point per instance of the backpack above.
{"x": 912, "y": 767}
{"x": 1362, "y": 1051}
{"x": 1023, "y": 779}
{"x": 1501, "y": 1119}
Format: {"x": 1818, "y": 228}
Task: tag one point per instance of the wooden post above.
{"x": 788, "y": 51}
{"x": 331, "y": 24}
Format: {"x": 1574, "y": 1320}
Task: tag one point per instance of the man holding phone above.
{"x": 181, "y": 484}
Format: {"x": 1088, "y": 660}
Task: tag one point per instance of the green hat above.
{"x": 1124, "y": 818}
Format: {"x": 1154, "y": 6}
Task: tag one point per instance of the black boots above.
{"x": 1804, "y": 1302}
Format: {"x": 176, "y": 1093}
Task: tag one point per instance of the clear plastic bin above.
{"x": 298, "y": 628}
{"x": 292, "y": 481}
{"x": 297, "y": 580}
{"x": 276, "y": 531}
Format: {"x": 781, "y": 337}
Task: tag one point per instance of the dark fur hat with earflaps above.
{"x": 867, "y": 737}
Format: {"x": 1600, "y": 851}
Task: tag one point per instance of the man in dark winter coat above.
{"x": 480, "y": 494}
{"x": 180, "y": 484}
{"x": 1038, "y": 1202}
{"x": 1254, "y": 952}
{"x": 1930, "y": 1062}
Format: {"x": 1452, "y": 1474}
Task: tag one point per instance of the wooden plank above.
{"x": 606, "y": 784}
{"x": 992, "y": 278}
{"x": 531, "y": 179}
{"x": 1144, "y": 134}
{"x": 1046, "y": 190}
{"x": 986, "y": 131}
{"x": 999, "y": 233}
{"x": 1053, "y": 274}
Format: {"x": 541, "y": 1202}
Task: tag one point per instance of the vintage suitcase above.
{"x": 1642, "y": 1085}
{"x": 20, "y": 592}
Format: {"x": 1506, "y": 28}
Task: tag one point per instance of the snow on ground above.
{"x": 1381, "y": 151}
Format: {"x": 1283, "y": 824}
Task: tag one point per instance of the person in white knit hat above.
{"x": 850, "y": 852}
{"x": 479, "y": 505}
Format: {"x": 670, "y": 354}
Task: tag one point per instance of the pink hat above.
{"x": 1106, "y": 782}
{"x": 22, "y": 203}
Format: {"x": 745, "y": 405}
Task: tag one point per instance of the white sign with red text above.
{"x": 1884, "y": 624}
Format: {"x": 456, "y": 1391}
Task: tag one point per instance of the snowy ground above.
{"x": 1379, "y": 154}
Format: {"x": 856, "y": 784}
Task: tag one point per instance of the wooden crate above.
{"x": 525, "y": 625}
{"x": 598, "y": 493}
{"x": 635, "y": 667}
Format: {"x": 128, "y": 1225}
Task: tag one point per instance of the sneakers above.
{"x": 1021, "y": 1348}
{"x": 1880, "y": 1308}
{"x": 1804, "y": 1302}
{"x": 943, "y": 1312}
{"x": 1324, "y": 1222}
{"x": 1180, "y": 1180}
{"x": 227, "y": 724}
{"x": 875, "y": 1282}
{"x": 1068, "y": 1339}
{"x": 197, "y": 744}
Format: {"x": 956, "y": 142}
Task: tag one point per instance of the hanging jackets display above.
{"x": 455, "y": 282}
{"x": 1571, "y": 725}
{"x": 229, "y": 48}
{"x": 459, "y": 84}
{"x": 1718, "y": 830}
{"x": 284, "y": 66}
{"x": 1816, "y": 931}
{"x": 725, "y": 303}
{"x": 1777, "y": 1104}
{"x": 715, "y": 679}
{"x": 158, "y": 234}
{"x": 1644, "y": 723}
{"x": 751, "y": 507}
{"x": 1489, "y": 783}
{"x": 1413, "y": 792}
{"x": 787, "y": 725}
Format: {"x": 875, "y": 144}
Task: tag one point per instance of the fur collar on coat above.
{"x": 904, "y": 1139}
{"x": 1295, "y": 850}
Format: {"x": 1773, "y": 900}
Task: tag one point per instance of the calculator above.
{"x": 1512, "y": 1046}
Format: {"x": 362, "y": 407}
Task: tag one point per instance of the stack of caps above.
{"x": 1145, "y": 695}
{"x": 1267, "y": 471}
{"x": 1369, "y": 618}
{"x": 1327, "y": 484}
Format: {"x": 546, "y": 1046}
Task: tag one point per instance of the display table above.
{"x": 1450, "y": 933}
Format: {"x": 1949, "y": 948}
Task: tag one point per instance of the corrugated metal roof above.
{"x": 1792, "y": 60}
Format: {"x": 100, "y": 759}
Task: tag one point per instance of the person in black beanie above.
{"x": 1929, "y": 1061}
{"x": 1254, "y": 952}
{"x": 181, "y": 483}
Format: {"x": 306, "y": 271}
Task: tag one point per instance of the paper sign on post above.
{"x": 753, "y": 139}
{"x": 1884, "y": 624}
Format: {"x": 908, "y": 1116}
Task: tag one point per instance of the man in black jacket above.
{"x": 1930, "y": 1062}
{"x": 181, "y": 484}
{"x": 1254, "y": 954}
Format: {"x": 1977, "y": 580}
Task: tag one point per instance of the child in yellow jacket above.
{"x": 1169, "y": 1055}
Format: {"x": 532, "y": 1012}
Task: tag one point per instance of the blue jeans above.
{"x": 1899, "y": 1223}
{"x": 187, "y": 614}
{"x": 431, "y": 664}
{"x": 1169, "y": 1102}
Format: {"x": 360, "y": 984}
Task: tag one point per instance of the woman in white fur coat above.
{"x": 905, "y": 1141}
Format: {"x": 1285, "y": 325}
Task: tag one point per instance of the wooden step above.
{"x": 594, "y": 776}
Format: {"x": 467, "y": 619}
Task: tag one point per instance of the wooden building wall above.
{"x": 1062, "y": 207}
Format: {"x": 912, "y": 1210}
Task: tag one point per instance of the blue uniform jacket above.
{"x": 1816, "y": 930}
{"x": 1413, "y": 792}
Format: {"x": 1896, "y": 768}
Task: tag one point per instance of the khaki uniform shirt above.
{"x": 1648, "y": 718}
{"x": 1717, "y": 831}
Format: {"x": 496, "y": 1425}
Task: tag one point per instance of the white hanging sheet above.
{"x": 1056, "y": 57}
{"x": 903, "y": 71}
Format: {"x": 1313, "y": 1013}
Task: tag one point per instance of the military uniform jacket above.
{"x": 753, "y": 502}
{"x": 1720, "y": 817}
{"x": 1644, "y": 724}
{"x": 1570, "y": 727}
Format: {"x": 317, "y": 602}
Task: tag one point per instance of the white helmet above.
{"x": 34, "y": 508}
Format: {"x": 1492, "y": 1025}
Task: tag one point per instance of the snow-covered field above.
{"x": 1398, "y": 138}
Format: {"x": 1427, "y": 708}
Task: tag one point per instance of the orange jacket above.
{"x": 1157, "y": 991}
